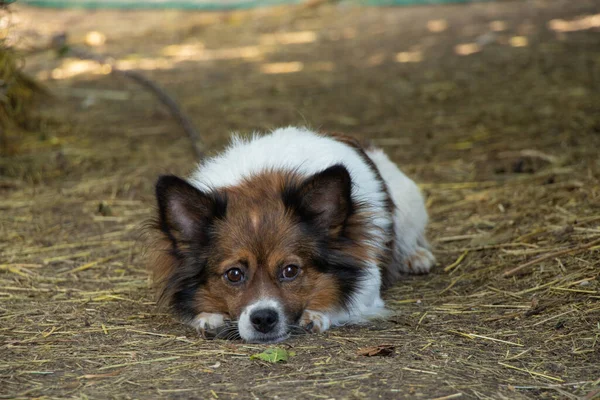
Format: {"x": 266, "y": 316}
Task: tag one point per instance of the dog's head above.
{"x": 260, "y": 252}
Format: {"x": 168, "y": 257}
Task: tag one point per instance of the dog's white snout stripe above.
{"x": 246, "y": 328}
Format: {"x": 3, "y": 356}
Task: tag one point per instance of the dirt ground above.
{"x": 494, "y": 108}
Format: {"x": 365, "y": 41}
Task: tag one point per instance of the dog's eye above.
{"x": 234, "y": 275}
{"x": 289, "y": 272}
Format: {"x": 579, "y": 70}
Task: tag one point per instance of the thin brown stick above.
{"x": 573, "y": 250}
{"x": 59, "y": 43}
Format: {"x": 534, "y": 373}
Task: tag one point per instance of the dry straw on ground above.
{"x": 504, "y": 141}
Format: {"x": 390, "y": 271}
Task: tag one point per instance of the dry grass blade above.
{"x": 92, "y": 264}
{"x": 473, "y": 336}
{"x": 572, "y": 251}
{"x": 451, "y": 396}
{"x": 553, "y": 378}
{"x": 457, "y": 262}
{"x": 145, "y": 362}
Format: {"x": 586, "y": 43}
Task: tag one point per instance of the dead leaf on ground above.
{"x": 383, "y": 350}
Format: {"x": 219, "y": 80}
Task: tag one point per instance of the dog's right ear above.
{"x": 324, "y": 199}
{"x": 186, "y": 212}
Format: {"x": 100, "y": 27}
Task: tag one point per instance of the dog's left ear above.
{"x": 185, "y": 212}
{"x": 324, "y": 199}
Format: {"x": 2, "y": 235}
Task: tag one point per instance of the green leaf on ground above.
{"x": 273, "y": 355}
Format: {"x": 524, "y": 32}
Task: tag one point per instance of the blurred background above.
{"x": 492, "y": 106}
{"x": 420, "y": 80}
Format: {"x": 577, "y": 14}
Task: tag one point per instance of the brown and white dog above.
{"x": 286, "y": 230}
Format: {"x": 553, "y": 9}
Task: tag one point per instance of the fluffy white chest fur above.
{"x": 394, "y": 235}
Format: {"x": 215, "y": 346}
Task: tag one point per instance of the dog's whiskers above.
{"x": 228, "y": 331}
{"x": 296, "y": 330}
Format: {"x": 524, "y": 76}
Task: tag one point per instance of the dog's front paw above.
{"x": 419, "y": 262}
{"x": 315, "y": 321}
{"x": 207, "y": 324}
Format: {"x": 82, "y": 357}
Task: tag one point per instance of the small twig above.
{"x": 59, "y": 43}
{"x": 571, "y": 251}
{"x": 168, "y": 101}
{"x": 457, "y": 262}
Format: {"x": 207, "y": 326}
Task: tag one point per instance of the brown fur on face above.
{"x": 260, "y": 226}
{"x": 262, "y": 236}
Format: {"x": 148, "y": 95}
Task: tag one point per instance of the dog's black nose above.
{"x": 264, "y": 320}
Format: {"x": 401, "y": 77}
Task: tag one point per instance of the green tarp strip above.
{"x": 208, "y": 4}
